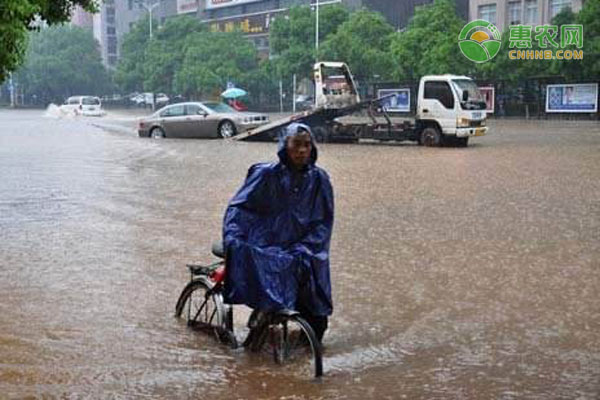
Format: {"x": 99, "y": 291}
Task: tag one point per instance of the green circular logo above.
{"x": 479, "y": 41}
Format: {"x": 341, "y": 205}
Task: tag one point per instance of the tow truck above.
{"x": 449, "y": 110}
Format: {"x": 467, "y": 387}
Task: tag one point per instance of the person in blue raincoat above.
{"x": 276, "y": 233}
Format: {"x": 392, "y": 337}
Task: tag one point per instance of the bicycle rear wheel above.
{"x": 290, "y": 340}
{"x": 203, "y": 309}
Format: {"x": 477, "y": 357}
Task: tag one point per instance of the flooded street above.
{"x": 457, "y": 273}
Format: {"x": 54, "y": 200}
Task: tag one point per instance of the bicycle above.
{"x": 284, "y": 335}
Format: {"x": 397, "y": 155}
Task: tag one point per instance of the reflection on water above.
{"x": 458, "y": 273}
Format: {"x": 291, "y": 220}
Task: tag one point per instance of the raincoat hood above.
{"x": 292, "y": 130}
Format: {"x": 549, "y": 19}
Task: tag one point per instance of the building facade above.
{"x": 503, "y": 13}
{"x": 254, "y": 16}
{"x": 116, "y": 17}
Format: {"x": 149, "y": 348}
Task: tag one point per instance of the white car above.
{"x": 144, "y": 99}
{"x": 83, "y": 105}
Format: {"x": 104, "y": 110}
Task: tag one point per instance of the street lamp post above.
{"x": 149, "y": 8}
{"x": 11, "y": 87}
{"x": 317, "y": 28}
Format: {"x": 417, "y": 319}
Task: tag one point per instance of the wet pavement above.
{"x": 457, "y": 273}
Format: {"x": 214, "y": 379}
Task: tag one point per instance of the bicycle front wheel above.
{"x": 292, "y": 341}
{"x": 203, "y": 309}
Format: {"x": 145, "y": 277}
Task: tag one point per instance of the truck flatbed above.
{"x": 269, "y": 131}
{"x": 324, "y": 122}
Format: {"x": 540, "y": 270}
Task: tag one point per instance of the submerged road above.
{"x": 457, "y": 273}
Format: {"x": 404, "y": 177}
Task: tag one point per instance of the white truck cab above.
{"x": 454, "y": 103}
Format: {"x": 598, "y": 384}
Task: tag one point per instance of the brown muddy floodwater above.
{"x": 457, "y": 273}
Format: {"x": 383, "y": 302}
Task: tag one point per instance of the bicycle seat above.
{"x": 218, "y": 249}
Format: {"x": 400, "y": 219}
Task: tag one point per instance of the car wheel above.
{"x": 431, "y": 137}
{"x": 226, "y": 129}
{"x": 157, "y": 133}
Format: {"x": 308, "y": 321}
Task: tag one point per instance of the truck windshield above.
{"x": 336, "y": 81}
{"x": 475, "y": 100}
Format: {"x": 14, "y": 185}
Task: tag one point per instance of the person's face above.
{"x": 298, "y": 149}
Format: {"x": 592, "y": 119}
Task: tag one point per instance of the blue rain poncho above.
{"x": 276, "y": 233}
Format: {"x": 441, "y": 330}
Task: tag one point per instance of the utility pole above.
{"x": 149, "y": 8}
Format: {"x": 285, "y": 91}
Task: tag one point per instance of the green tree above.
{"x": 504, "y": 68}
{"x": 292, "y": 38}
{"x": 165, "y": 53}
{"x": 211, "y": 60}
{"x": 63, "y": 61}
{"x": 17, "y": 17}
{"x": 588, "y": 17}
{"x": 429, "y": 44}
{"x": 129, "y": 74}
{"x": 571, "y": 69}
{"x": 363, "y": 42}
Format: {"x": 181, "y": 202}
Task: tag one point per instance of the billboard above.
{"x": 572, "y": 98}
{"x": 187, "y": 6}
{"x": 251, "y": 24}
{"x": 488, "y": 95}
{"x": 212, "y": 4}
{"x": 399, "y": 102}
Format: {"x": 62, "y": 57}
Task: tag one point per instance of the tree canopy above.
{"x": 429, "y": 44}
{"x": 588, "y": 17}
{"x": 166, "y": 51}
{"x": 62, "y": 61}
{"x": 292, "y": 38}
{"x": 129, "y": 74}
{"x": 19, "y": 16}
{"x": 212, "y": 59}
{"x": 362, "y": 42}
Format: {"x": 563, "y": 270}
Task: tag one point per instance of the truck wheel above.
{"x": 431, "y": 137}
{"x": 461, "y": 141}
{"x": 321, "y": 134}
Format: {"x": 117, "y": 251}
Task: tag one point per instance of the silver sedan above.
{"x": 198, "y": 120}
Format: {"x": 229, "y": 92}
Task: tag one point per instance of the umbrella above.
{"x": 232, "y": 93}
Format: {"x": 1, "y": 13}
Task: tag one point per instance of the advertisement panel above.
{"x": 488, "y": 94}
{"x": 187, "y": 6}
{"x": 572, "y": 98}
{"x": 211, "y": 4}
{"x": 399, "y": 102}
{"x": 252, "y": 24}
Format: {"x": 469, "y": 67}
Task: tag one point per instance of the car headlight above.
{"x": 462, "y": 122}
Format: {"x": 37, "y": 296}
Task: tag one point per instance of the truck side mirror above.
{"x": 465, "y": 95}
